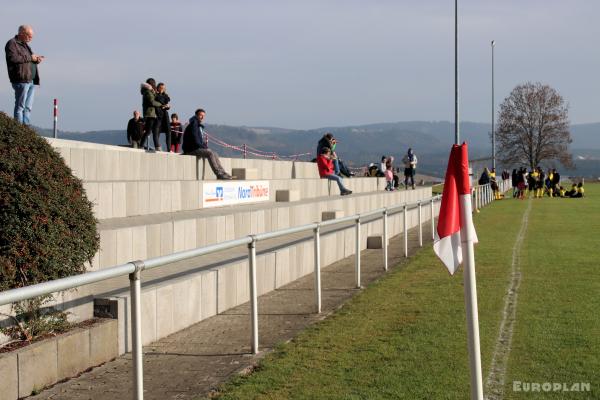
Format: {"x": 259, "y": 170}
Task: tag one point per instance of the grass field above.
{"x": 404, "y": 336}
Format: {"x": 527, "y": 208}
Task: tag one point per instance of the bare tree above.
{"x": 534, "y": 127}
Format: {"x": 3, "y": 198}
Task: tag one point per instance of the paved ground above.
{"x": 191, "y": 363}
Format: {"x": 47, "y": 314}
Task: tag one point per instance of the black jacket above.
{"x": 194, "y": 136}
{"x": 135, "y": 129}
{"x": 323, "y": 142}
{"x": 162, "y": 113}
{"x": 19, "y": 64}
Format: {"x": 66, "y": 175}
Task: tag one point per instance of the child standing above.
{"x": 389, "y": 174}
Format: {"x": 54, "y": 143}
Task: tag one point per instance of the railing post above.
{"x": 385, "y": 239}
{"x": 357, "y": 258}
{"x": 420, "y": 226}
{"x": 253, "y": 294}
{"x": 135, "y": 288}
{"x": 317, "y": 240}
{"x": 432, "y": 220}
{"x": 405, "y": 232}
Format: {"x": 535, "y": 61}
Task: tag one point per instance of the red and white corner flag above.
{"x": 454, "y": 229}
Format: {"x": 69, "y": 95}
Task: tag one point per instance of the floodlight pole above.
{"x": 493, "y": 117}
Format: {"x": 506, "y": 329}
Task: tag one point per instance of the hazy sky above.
{"x": 302, "y": 64}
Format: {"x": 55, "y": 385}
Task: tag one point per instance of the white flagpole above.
{"x": 470, "y": 282}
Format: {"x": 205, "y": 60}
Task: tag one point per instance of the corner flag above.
{"x": 452, "y": 229}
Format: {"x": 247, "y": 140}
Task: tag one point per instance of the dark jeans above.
{"x": 157, "y": 131}
{"x": 150, "y": 125}
{"x": 409, "y": 173}
{"x": 213, "y": 160}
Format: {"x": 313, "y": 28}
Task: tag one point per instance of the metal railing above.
{"x": 135, "y": 268}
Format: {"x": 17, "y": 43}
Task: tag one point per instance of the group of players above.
{"x": 540, "y": 184}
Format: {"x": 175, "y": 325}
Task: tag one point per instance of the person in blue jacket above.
{"x": 195, "y": 143}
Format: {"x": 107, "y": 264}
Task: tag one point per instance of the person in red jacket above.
{"x": 325, "y": 164}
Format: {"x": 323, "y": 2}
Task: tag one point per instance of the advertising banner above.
{"x": 226, "y": 193}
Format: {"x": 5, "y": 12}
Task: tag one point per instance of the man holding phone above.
{"x": 22, "y": 65}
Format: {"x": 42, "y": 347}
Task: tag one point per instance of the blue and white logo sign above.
{"x": 216, "y": 194}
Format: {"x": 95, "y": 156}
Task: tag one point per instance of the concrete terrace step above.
{"x": 117, "y": 199}
{"x": 96, "y": 162}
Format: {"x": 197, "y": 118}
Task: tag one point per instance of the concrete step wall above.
{"x": 119, "y": 199}
{"x": 145, "y": 237}
{"x": 178, "y": 303}
{"x": 104, "y": 163}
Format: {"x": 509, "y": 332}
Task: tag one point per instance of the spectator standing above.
{"x": 325, "y": 165}
{"x": 162, "y": 114}
{"x": 176, "y": 133}
{"x": 22, "y": 65}
{"x": 389, "y": 173}
{"x": 149, "y": 105}
{"x": 195, "y": 143}
{"x": 135, "y": 130}
{"x": 410, "y": 168}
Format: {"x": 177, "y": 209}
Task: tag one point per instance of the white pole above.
{"x": 420, "y": 226}
{"x": 136, "y": 332}
{"x": 432, "y": 221}
{"x": 357, "y": 258}
{"x": 385, "y": 240}
{"x": 253, "y": 294}
{"x": 470, "y": 285}
{"x": 317, "y": 246}
{"x": 405, "y": 232}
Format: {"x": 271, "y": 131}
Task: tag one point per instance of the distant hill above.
{"x": 360, "y": 145}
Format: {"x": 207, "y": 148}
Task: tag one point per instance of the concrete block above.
{"x": 194, "y": 303}
{"x": 178, "y": 235}
{"x": 139, "y": 242}
{"x": 287, "y": 195}
{"x": 143, "y": 198}
{"x": 124, "y": 245}
{"x": 154, "y": 205}
{"x": 90, "y": 157}
{"x": 108, "y": 248}
{"x": 226, "y": 288}
{"x": 91, "y": 192}
{"x": 242, "y": 283}
{"x": 77, "y": 163}
{"x": 189, "y": 167}
{"x": 179, "y": 309}
{"x": 166, "y": 238}
{"x": 189, "y": 236}
{"x": 71, "y": 362}
{"x": 149, "y": 307}
{"x": 37, "y": 366}
{"x": 65, "y": 153}
{"x": 166, "y": 196}
{"x": 105, "y": 200}
{"x": 209, "y": 294}
{"x": 219, "y": 226}
{"x": 375, "y": 242}
{"x": 153, "y": 240}
{"x": 246, "y": 174}
{"x": 131, "y": 199}
{"x": 333, "y": 214}
{"x": 164, "y": 311}
{"x": 10, "y": 378}
{"x": 190, "y": 195}
{"x": 104, "y": 344}
{"x": 201, "y": 232}
{"x": 229, "y": 227}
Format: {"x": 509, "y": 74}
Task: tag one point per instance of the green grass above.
{"x": 404, "y": 337}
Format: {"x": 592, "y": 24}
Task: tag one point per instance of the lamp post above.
{"x": 493, "y": 130}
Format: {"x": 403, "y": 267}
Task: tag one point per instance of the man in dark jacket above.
{"x": 195, "y": 143}
{"x": 135, "y": 130}
{"x": 22, "y": 65}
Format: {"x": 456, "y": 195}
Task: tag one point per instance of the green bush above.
{"x": 47, "y": 227}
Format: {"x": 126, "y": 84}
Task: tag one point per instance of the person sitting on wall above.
{"x": 195, "y": 144}
{"x": 325, "y": 165}
{"x": 135, "y": 130}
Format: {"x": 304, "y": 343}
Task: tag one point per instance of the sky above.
{"x": 302, "y": 64}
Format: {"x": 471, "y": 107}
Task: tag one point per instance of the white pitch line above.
{"x": 494, "y": 383}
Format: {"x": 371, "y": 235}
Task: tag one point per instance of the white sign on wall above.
{"x": 226, "y": 193}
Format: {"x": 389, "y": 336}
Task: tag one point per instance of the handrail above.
{"x": 134, "y": 268}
